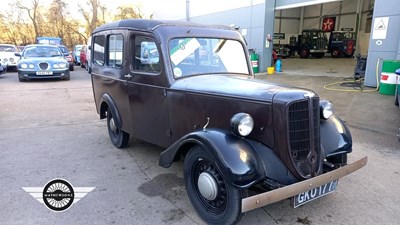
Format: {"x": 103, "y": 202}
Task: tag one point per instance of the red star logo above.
{"x": 328, "y": 24}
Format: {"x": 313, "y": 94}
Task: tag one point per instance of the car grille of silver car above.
{"x": 304, "y": 136}
{"x": 43, "y": 66}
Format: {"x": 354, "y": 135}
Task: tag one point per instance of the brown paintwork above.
{"x": 161, "y": 109}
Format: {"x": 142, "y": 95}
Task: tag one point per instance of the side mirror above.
{"x": 17, "y": 54}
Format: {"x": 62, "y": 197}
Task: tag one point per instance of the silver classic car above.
{"x": 42, "y": 61}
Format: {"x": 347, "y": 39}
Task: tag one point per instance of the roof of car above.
{"x": 148, "y": 25}
{"x": 8, "y": 45}
{"x": 41, "y": 45}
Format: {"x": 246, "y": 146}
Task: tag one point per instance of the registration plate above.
{"x": 313, "y": 194}
{"x": 44, "y": 73}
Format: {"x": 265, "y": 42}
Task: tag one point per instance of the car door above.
{"x": 147, "y": 92}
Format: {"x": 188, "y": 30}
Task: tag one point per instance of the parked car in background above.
{"x": 342, "y": 43}
{"x": 89, "y": 55}
{"x": 244, "y": 142}
{"x": 49, "y": 40}
{"x": 76, "y": 54}
{"x": 3, "y": 68}
{"x": 83, "y": 56}
{"x": 68, "y": 57}
{"x": 7, "y": 56}
{"x": 40, "y": 61}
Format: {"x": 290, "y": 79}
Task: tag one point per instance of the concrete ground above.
{"x": 50, "y": 129}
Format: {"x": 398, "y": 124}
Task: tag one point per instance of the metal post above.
{"x": 268, "y": 30}
{"x": 301, "y": 20}
{"x": 187, "y": 10}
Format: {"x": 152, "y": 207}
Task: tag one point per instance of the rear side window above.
{"x": 98, "y": 50}
{"x": 146, "y": 55}
{"x": 115, "y": 50}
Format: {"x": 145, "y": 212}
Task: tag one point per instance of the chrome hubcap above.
{"x": 112, "y": 125}
{"x": 207, "y": 186}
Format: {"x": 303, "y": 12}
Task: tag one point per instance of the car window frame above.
{"x": 104, "y": 50}
{"x": 107, "y": 51}
{"x": 132, "y": 41}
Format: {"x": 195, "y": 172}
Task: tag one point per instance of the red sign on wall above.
{"x": 328, "y": 23}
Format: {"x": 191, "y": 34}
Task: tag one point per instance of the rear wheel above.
{"x": 118, "y": 137}
{"x": 335, "y": 53}
{"x": 214, "y": 199}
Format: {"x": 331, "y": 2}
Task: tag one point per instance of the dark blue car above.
{"x": 41, "y": 62}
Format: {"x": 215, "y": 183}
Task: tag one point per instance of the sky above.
{"x": 147, "y": 6}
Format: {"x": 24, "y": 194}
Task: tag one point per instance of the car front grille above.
{"x": 304, "y": 136}
{"x": 321, "y": 44}
{"x": 43, "y": 66}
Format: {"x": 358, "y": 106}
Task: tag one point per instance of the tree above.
{"x": 126, "y": 12}
{"x": 33, "y": 13}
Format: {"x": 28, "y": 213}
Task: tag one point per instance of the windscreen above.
{"x": 196, "y": 56}
{"x": 41, "y": 51}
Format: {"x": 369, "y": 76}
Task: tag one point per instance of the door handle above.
{"x": 127, "y": 76}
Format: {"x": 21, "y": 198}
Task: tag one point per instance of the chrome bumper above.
{"x": 279, "y": 194}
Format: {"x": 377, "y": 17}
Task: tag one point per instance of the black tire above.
{"x": 225, "y": 207}
{"x": 396, "y": 98}
{"x": 67, "y": 77}
{"x": 349, "y": 56}
{"x": 22, "y": 79}
{"x": 304, "y": 53}
{"x": 71, "y": 68}
{"x": 118, "y": 137}
{"x": 336, "y": 53}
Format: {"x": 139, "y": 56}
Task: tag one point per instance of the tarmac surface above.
{"x": 50, "y": 129}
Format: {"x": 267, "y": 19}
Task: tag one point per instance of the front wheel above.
{"x": 118, "y": 137}
{"x": 304, "y": 53}
{"x": 215, "y": 200}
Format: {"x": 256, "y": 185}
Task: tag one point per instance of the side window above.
{"x": 146, "y": 55}
{"x": 98, "y": 50}
{"x": 115, "y": 50}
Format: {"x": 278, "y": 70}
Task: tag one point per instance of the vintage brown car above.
{"x": 190, "y": 89}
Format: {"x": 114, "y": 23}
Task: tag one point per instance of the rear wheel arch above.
{"x": 107, "y": 103}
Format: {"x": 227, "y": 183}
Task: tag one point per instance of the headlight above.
{"x": 242, "y": 124}
{"x": 24, "y": 65}
{"x": 63, "y": 65}
{"x": 326, "y": 109}
{"x": 56, "y": 66}
{"x": 31, "y": 66}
